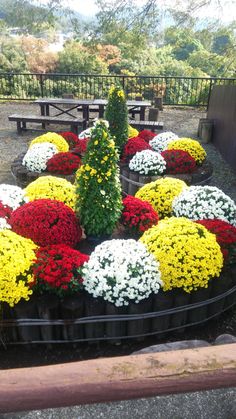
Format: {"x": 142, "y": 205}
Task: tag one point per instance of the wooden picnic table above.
{"x": 65, "y": 106}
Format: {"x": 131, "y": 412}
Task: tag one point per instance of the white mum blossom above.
{"x": 37, "y": 156}
{"x": 85, "y": 134}
{"x": 98, "y": 121}
{"x": 160, "y": 142}
{"x": 121, "y": 271}
{"x": 148, "y": 162}
{"x": 4, "y": 224}
{"x": 205, "y": 202}
{"x": 12, "y": 195}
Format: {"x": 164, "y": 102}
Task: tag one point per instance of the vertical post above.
{"x": 209, "y": 94}
{"x": 41, "y": 84}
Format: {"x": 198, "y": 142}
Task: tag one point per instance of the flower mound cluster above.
{"x": 161, "y": 193}
{"x": 225, "y": 236}
{"x": 148, "y": 162}
{"x": 52, "y": 137}
{"x": 178, "y": 161}
{"x": 191, "y": 146}
{"x": 5, "y": 213}
{"x": 12, "y": 195}
{"x": 160, "y": 142}
{"x": 205, "y": 202}
{"x": 57, "y": 270}
{"x": 16, "y": 259}
{"x": 51, "y": 187}
{"x": 64, "y": 163}
{"x": 71, "y": 138}
{"x": 121, "y": 271}
{"x": 188, "y": 253}
{"x": 147, "y": 135}
{"x": 132, "y": 146}
{"x": 46, "y": 222}
{"x": 81, "y": 147}
{"x": 138, "y": 216}
{"x": 37, "y": 156}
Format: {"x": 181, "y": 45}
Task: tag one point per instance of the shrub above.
{"x": 191, "y": 146}
{"x": 64, "y": 163}
{"x": 132, "y": 146}
{"x": 71, "y": 138}
{"x": 146, "y": 135}
{"x": 117, "y": 115}
{"x": 137, "y": 215}
{"x": 148, "y": 162}
{"x": 178, "y": 161}
{"x": 37, "y": 156}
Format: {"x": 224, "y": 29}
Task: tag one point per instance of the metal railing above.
{"x": 177, "y": 91}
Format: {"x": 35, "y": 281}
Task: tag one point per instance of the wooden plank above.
{"x": 121, "y": 378}
{"x": 40, "y": 118}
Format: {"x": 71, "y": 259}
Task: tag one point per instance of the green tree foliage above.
{"x": 11, "y": 56}
{"x": 98, "y": 189}
{"x": 117, "y": 115}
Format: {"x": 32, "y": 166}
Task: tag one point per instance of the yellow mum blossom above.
{"x": 160, "y": 194}
{"x": 16, "y": 258}
{"x": 132, "y": 132}
{"x": 52, "y": 137}
{"x": 51, "y": 187}
{"x": 191, "y": 146}
{"x": 188, "y": 253}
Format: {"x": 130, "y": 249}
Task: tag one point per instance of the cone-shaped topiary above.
{"x": 98, "y": 191}
{"x": 117, "y": 115}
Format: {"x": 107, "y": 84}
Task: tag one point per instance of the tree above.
{"x": 37, "y": 54}
{"x": 12, "y": 57}
{"x": 117, "y": 115}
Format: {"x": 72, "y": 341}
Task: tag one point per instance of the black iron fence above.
{"x": 178, "y": 91}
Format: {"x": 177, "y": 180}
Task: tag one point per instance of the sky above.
{"x": 227, "y": 14}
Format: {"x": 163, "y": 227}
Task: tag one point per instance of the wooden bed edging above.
{"x": 121, "y": 378}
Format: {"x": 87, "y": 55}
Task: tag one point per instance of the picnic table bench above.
{"x": 152, "y": 125}
{"x": 74, "y": 123}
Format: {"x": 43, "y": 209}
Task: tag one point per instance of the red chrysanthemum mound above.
{"x": 57, "y": 269}
{"x": 178, "y": 161}
{"x": 46, "y": 222}
{"x": 147, "y": 135}
{"x": 5, "y": 211}
{"x": 71, "y": 138}
{"x": 225, "y": 236}
{"x": 81, "y": 147}
{"x": 138, "y": 216}
{"x": 64, "y": 163}
{"x": 132, "y": 146}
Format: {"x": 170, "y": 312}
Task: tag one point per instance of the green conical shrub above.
{"x": 117, "y": 116}
{"x": 98, "y": 190}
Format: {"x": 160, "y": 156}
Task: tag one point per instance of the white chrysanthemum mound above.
{"x": 12, "y": 195}
{"x": 99, "y": 121}
{"x": 3, "y": 223}
{"x": 85, "y": 134}
{"x": 121, "y": 271}
{"x": 148, "y": 162}
{"x": 205, "y": 202}
{"x": 160, "y": 142}
{"x": 37, "y": 156}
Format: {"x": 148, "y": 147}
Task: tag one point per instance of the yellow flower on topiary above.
{"x": 188, "y": 253}
{"x": 160, "y": 194}
{"x": 53, "y": 138}
{"x": 191, "y": 146}
{"x": 16, "y": 258}
{"x": 132, "y": 132}
{"x": 51, "y": 187}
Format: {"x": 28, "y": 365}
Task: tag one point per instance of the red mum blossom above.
{"x": 178, "y": 161}
{"x": 71, "y": 138}
{"x": 57, "y": 269}
{"x": 46, "y": 222}
{"x": 147, "y": 135}
{"x": 138, "y": 216}
{"x": 5, "y": 211}
{"x": 225, "y": 236}
{"x": 64, "y": 163}
{"x": 132, "y": 146}
{"x": 81, "y": 146}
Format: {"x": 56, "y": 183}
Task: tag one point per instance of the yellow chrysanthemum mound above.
{"x": 191, "y": 146}
{"x": 16, "y": 258}
{"x": 188, "y": 253}
{"x": 51, "y": 187}
{"x": 160, "y": 194}
{"x": 132, "y": 132}
{"x": 53, "y": 138}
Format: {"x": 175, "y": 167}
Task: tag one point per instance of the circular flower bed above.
{"x": 121, "y": 271}
{"x": 57, "y": 270}
{"x": 37, "y": 156}
{"x": 148, "y": 162}
{"x": 137, "y": 215}
{"x": 52, "y": 137}
{"x": 12, "y": 195}
{"x": 191, "y": 146}
{"x": 205, "y": 202}
{"x": 178, "y": 161}
{"x": 63, "y": 163}
{"x": 161, "y": 193}
{"x": 46, "y": 222}
{"x": 51, "y": 187}
{"x": 188, "y": 253}
{"x": 16, "y": 259}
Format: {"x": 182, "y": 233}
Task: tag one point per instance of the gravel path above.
{"x": 183, "y": 122}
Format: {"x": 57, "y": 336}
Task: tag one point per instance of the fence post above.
{"x": 209, "y": 94}
{"x": 41, "y": 84}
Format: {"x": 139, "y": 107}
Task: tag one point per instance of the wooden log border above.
{"x": 121, "y": 378}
